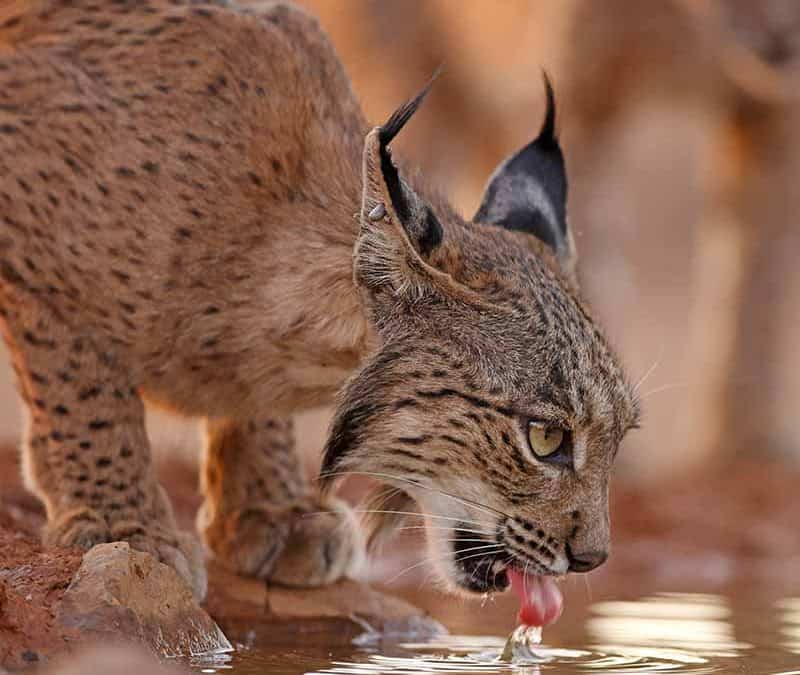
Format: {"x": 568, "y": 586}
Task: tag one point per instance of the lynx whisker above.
{"x": 440, "y": 527}
{"x": 482, "y": 550}
{"x": 665, "y": 387}
{"x": 650, "y": 370}
{"x": 398, "y": 513}
{"x": 462, "y": 500}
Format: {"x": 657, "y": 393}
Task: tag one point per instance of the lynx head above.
{"x": 493, "y": 401}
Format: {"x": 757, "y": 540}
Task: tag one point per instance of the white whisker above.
{"x": 462, "y": 500}
{"x": 666, "y": 387}
{"x": 482, "y": 550}
{"x": 525, "y": 579}
{"x": 400, "y": 513}
{"x": 588, "y": 586}
{"x": 439, "y": 527}
{"x": 650, "y": 370}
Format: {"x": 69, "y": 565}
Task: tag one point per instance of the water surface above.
{"x": 676, "y": 632}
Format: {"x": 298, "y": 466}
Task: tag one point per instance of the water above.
{"x": 683, "y": 633}
{"x": 523, "y": 646}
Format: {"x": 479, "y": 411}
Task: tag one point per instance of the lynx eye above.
{"x": 549, "y": 443}
{"x": 544, "y": 440}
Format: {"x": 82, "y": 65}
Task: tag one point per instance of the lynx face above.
{"x": 494, "y": 401}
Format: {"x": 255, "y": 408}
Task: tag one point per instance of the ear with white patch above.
{"x": 398, "y": 229}
{"x": 528, "y": 192}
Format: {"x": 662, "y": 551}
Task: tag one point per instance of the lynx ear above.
{"x": 528, "y": 191}
{"x": 398, "y": 229}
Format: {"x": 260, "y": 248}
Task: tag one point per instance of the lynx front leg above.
{"x": 261, "y": 518}
{"x": 87, "y": 455}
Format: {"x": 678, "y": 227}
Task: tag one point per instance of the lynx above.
{"x": 195, "y": 214}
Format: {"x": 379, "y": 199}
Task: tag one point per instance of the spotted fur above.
{"x": 193, "y": 211}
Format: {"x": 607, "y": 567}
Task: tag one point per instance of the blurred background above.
{"x": 681, "y": 128}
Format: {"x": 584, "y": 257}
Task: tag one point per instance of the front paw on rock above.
{"x": 180, "y": 550}
{"x": 82, "y": 527}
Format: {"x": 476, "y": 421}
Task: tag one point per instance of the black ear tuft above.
{"x": 528, "y": 192}
{"x": 547, "y": 134}
{"x": 397, "y": 121}
{"x": 386, "y": 135}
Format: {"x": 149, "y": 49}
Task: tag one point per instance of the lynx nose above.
{"x": 585, "y": 561}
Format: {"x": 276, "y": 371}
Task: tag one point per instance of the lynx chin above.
{"x": 194, "y": 213}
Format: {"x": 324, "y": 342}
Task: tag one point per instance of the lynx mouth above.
{"x": 540, "y": 599}
{"x": 483, "y": 574}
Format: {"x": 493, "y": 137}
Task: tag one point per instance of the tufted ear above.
{"x": 528, "y": 191}
{"x": 398, "y": 229}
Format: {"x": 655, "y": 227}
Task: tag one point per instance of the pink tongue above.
{"x": 540, "y": 599}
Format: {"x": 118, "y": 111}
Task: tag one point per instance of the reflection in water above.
{"x": 669, "y": 632}
{"x": 686, "y": 634}
{"x": 463, "y": 654}
{"x": 212, "y": 663}
{"x": 789, "y": 610}
{"x": 699, "y": 623}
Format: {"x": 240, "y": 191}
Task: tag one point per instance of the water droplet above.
{"x": 521, "y": 646}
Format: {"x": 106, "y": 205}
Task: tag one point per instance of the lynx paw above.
{"x": 311, "y": 545}
{"x": 323, "y": 546}
{"x": 248, "y": 541}
{"x": 82, "y": 527}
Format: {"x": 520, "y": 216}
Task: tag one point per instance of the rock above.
{"x": 374, "y": 615}
{"x": 336, "y": 614}
{"x": 119, "y": 593}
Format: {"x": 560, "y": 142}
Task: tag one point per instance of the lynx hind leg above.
{"x": 261, "y": 518}
{"x": 86, "y": 454}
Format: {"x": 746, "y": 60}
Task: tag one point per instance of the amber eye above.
{"x": 544, "y": 440}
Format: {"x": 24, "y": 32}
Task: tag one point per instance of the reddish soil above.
{"x": 32, "y": 583}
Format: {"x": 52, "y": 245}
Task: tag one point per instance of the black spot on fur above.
{"x": 453, "y": 440}
{"x": 89, "y": 393}
{"x": 406, "y": 403}
{"x": 413, "y": 440}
